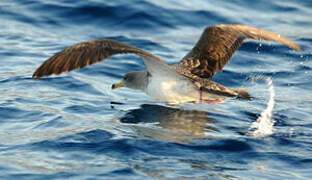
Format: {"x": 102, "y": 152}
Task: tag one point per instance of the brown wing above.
{"x": 85, "y": 54}
{"x": 216, "y": 46}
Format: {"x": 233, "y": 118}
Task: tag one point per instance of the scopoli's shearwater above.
{"x": 186, "y": 81}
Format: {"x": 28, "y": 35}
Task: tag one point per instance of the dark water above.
{"x": 74, "y": 126}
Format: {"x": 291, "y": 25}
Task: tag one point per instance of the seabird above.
{"x": 186, "y": 81}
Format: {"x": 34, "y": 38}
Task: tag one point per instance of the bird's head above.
{"x": 133, "y": 80}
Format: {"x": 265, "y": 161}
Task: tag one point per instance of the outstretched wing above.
{"x": 87, "y": 53}
{"x": 216, "y": 46}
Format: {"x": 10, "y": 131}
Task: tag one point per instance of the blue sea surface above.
{"x": 73, "y": 126}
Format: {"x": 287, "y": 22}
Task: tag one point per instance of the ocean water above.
{"x": 73, "y": 126}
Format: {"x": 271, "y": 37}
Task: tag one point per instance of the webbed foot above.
{"x": 216, "y": 101}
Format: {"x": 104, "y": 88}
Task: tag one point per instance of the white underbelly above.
{"x": 173, "y": 91}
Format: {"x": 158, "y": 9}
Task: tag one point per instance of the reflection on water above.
{"x": 169, "y": 123}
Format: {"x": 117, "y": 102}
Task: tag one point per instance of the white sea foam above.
{"x": 263, "y": 126}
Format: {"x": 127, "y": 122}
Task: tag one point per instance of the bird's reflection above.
{"x": 170, "y": 124}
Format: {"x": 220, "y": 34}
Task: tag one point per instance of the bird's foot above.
{"x": 175, "y": 105}
{"x": 217, "y": 101}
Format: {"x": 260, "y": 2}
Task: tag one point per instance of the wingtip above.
{"x": 297, "y": 47}
{"x": 292, "y": 45}
{"x": 35, "y": 76}
{"x": 243, "y": 93}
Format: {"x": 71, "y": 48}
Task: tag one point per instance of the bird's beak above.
{"x": 118, "y": 85}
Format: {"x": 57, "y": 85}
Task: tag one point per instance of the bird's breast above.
{"x": 172, "y": 90}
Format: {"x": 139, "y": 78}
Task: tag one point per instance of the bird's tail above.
{"x": 242, "y": 93}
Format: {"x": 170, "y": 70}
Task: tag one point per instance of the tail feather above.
{"x": 242, "y": 93}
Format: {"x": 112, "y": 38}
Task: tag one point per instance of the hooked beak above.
{"x": 118, "y": 85}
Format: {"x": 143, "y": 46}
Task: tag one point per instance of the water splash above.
{"x": 264, "y": 124}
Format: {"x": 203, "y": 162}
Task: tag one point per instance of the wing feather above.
{"x": 216, "y": 46}
{"x": 85, "y": 54}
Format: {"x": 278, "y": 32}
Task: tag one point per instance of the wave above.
{"x": 263, "y": 126}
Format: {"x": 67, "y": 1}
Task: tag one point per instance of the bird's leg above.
{"x": 200, "y": 95}
{"x": 201, "y": 100}
{"x": 174, "y": 105}
{"x": 216, "y": 101}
